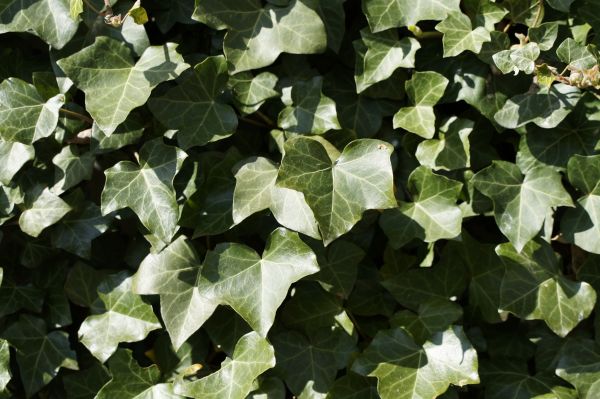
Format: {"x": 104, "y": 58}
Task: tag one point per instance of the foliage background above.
{"x": 318, "y": 199}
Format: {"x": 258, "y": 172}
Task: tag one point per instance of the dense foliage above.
{"x": 219, "y": 199}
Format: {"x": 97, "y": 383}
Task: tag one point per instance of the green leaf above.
{"x": 383, "y": 54}
{"x": 579, "y": 364}
{"x": 460, "y": 36}
{"x": 582, "y": 224}
{"x": 544, "y": 35}
{"x": 314, "y": 359}
{"x": 545, "y": 109}
{"x": 147, "y": 188}
{"x": 194, "y": 108}
{"x": 25, "y": 116}
{"x": 383, "y": 14}
{"x": 49, "y": 19}
{"x": 5, "y": 374}
{"x": 139, "y": 15}
{"x": 16, "y": 297}
{"x": 251, "y": 92}
{"x": 485, "y": 13}
{"x": 75, "y": 8}
{"x": 40, "y": 354}
{"x": 43, "y": 211}
{"x": 13, "y": 155}
{"x": 130, "y": 381}
{"x": 432, "y": 316}
{"x": 72, "y": 167}
{"x": 255, "y": 190}
{"x": 81, "y": 283}
{"x": 451, "y": 150}
{"x": 118, "y": 315}
{"x": 533, "y": 288}
{"x": 405, "y": 370}
{"x": 424, "y": 89}
{"x": 253, "y": 355}
{"x": 339, "y": 267}
{"x": 310, "y": 111}
{"x": 113, "y": 84}
{"x": 256, "y": 36}
{"x": 431, "y": 216}
{"x": 86, "y": 383}
{"x": 338, "y": 191}
{"x": 521, "y": 203}
{"x": 561, "y": 5}
{"x": 353, "y": 386}
{"x": 576, "y": 55}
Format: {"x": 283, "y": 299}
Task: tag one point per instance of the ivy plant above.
{"x": 312, "y": 199}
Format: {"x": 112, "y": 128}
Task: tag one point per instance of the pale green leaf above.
{"x": 251, "y": 92}
{"x": 339, "y": 191}
{"x": 75, "y": 8}
{"x": 452, "y": 149}
{"x": 521, "y": 203}
{"x": 118, "y": 315}
{"x": 72, "y": 167}
{"x": 576, "y": 55}
{"x": 40, "y": 354}
{"x": 424, "y": 89}
{"x": 255, "y": 190}
{"x": 544, "y": 35}
{"x": 405, "y": 370}
{"x": 460, "y": 36}
{"x": 130, "y": 381}
{"x": 147, "y": 188}
{"x": 193, "y": 106}
{"x": 256, "y": 36}
{"x": 113, "y": 84}
{"x": 49, "y": 19}
{"x": 534, "y": 288}
{"x": 384, "y": 54}
{"x": 5, "y": 374}
{"x": 253, "y": 355}
{"x": 42, "y": 212}
{"x": 545, "y": 109}
{"x": 385, "y": 14}
{"x": 485, "y": 13}
{"x": 581, "y": 225}
{"x": 311, "y": 112}
{"x": 25, "y": 116}
{"x": 13, "y": 155}
{"x": 432, "y": 215}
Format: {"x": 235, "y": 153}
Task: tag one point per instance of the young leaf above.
{"x": 460, "y": 36}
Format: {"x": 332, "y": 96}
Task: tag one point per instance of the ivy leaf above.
{"x": 147, "y": 188}
{"x": 40, "y": 354}
{"x": 25, "y": 116}
{"x": 193, "y": 106}
{"x": 380, "y": 54}
{"x": 43, "y": 211}
{"x": 13, "y": 155}
{"x": 561, "y": 5}
{"x": 113, "y": 84}
{"x": 339, "y": 267}
{"x": 310, "y": 112}
{"x": 353, "y": 386}
{"x": 255, "y": 190}
{"x": 579, "y": 364}
{"x": 433, "y": 214}
{"x": 130, "y": 381}
{"x": 5, "y": 375}
{"x": 251, "y": 92}
{"x": 253, "y": 355}
{"x": 314, "y": 359}
{"x": 581, "y": 225}
{"x": 452, "y": 149}
{"x": 545, "y": 109}
{"x": 16, "y": 297}
{"x": 485, "y": 13}
{"x": 256, "y": 36}
{"x": 405, "y": 370}
{"x": 576, "y": 55}
{"x": 56, "y": 29}
{"x": 75, "y": 8}
{"x": 231, "y": 273}
{"x": 533, "y": 288}
{"x": 460, "y": 36}
{"x": 544, "y": 35}
{"x": 424, "y": 89}
{"x": 521, "y": 204}
{"x": 519, "y": 59}
{"x": 72, "y": 167}
{"x": 330, "y": 186}
{"x": 118, "y": 315}
{"x": 433, "y": 315}
{"x": 383, "y": 14}
{"x": 86, "y": 383}
{"x": 172, "y": 273}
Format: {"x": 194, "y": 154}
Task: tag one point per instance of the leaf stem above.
{"x": 265, "y": 118}
{"x": 76, "y": 115}
{"x": 507, "y": 27}
{"x": 538, "y": 14}
{"x": 419, "y": 34}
